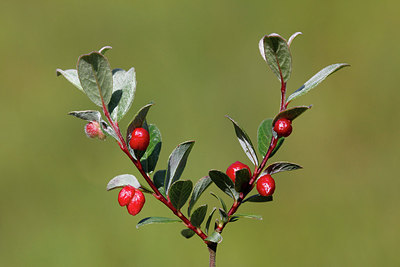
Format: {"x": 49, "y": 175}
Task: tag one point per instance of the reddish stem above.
{"x": 287, "y": 103}
{"x": 167, "y": 203}
{"x": 156, "y": 194}
{"x": 256, "y": 173}
{"x": 259, "y": 169}
{"x": 283, "y": 95}
{"x": 212, "y": 249}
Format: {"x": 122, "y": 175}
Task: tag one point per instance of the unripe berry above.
{"x": 140, "y": 139}
{"x": 234, "y": 168}
{"x": 93, "y": 130}
{"x": 125, "y": 195}
{"x": 283, "y": 127}
{"x": 266, "y": 185}
{"x": 136, "y": 203}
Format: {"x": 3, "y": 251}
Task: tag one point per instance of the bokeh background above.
{"x": 198, "y": 61}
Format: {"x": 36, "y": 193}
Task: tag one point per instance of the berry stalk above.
{"x": 156, "y": 193}
{"x": 242, "y": 195}
{"x": 259, "y": 169}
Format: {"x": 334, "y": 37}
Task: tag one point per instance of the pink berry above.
{"x": 140, "y": 139}
{"x": 93, "y": 130}
{"x": 266, "y": 185}
{"x": 234, "y": 167}
{"x": 283, "y": 127}
{"x": 136, "y": 203}
{"x": 125, "y": 195}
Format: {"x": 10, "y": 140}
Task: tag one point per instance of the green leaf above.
{"x": 264, "y": 136}
{"x": 220, "y": 200}
{"x": 124, "y": 87}
{"x": 180, "y": 193}
{"x": 281, "y": 166}
{"x": 249, "y": 216}
{"x": 162, "y": 191}
{"x": 123, "y": 180}
{"x": 198, "y": 215}
{"x": 278, "y": 145}
{"x": 223, "y": 215}
{"x": 104, "y": 49}
{"x": 209, "y": 220}
{"x": 110, "y": 131}
{"x": 258, "y": 198}
{"x": 291, "y": 113}
{"x": 275, "y": 51}
{"x": 316, "y": 80}
{"x": 187, "y": 233}
{"x": 88, "y": 115}
{"x": 294, "y": 35}
{"x": 215, "y": 237}
{"x": 233, "y": 219}
{"x": 224, "y": 183}
{"x": 153, "y": 220}
{"x": 242, "y": 179}
{"x": 159, "y": 178}
{"x": 199, "y": 188}
{"x": 96, "y": 78}
{"x": 71, "y": 76}
{"x": 177, "y": 162}
{"x": 150, "y": 158}
{"x": 245, "y": 142}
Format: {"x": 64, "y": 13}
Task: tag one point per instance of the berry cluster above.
{"x": 265, "y": 184}
{"x": 132, "y": 198}
{"x": 129, "y": 196}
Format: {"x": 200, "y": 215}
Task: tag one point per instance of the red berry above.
{"x": 234, "y": 168}
{"x": 125, "y": 195}
{"x": 136, "y": 203}
{"x": 93, "y": 130}
{"x": 283, "y": 127}
{"x": 140, "y": 139}
{"x": 266, "y": 185}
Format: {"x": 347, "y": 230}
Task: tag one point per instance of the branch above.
{"x": 212, "y": 249}
{"x": 242, "y": 195}
{"x": 156, "y": 193}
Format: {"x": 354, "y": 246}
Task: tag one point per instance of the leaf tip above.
{"x": 291, "y": 38}
{"x": 59, "y": 72}
{"x": 150, "y": 104}
{"x": 104, "y": 49}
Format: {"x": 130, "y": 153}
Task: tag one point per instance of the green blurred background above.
{"x": 199, "y": 60}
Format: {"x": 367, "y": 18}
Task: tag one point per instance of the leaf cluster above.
{"x": 113, "y": 90}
